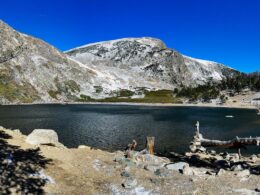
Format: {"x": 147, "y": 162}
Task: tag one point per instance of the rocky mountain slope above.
{"x": 135, "y": 60}
{"x": 34, "y": 71}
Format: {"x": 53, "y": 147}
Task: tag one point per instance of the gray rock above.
{"x": 224, "y": 154}
{"x": 257, "y": 189}
{"x": 195, "y": 159}
{"x": 119, "y": 159}
{"x": 227, "y": 156}
{"x": 152, "y": 168}
{"x": 253, "y": 157}
{"x": 117, "y": 166}
{"x": 234, "y": 157}
{"x": 17, "y": 131}
{"x": 176, "y": 166}
{"x": 128, "y": 162}
{"x": 187, "y": 170}
{"x": 213, "y": 152}
{"x": 129, "y": 183}
{"x": 162, "y": 172}
{"x": 221, "y": 172}
{"x": 84, "y": 147}
{"x": 193, "y": 148}
{"x": 156, "y": 181}
{"x": 210, "y": 173}
{"x": 236, "y": 168}
{"x": 151, "y": 159}
{"x": 125, "y": 174}
{"x": 127, "y": 169}
{"x": 221, "y": 164}
{"x": 201, "y": 149}
{"x": 43, "y": 136}
{"x": 244, "y": 173}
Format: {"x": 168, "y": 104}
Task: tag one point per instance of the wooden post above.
{"x": 150, "y": 144}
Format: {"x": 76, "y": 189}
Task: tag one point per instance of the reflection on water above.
{"x": 111, "y": 127}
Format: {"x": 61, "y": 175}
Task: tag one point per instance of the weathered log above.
{"x": 199, "y": 143}
{"x": 234, "y": 143}
{"x": 150, "y": 144}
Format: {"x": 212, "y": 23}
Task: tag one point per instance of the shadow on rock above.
{"x": 19, "y": 168}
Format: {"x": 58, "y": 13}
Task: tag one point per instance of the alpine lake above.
{"x": 111, "y": 127}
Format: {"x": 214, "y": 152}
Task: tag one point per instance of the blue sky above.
{"x": 226, "y": 31}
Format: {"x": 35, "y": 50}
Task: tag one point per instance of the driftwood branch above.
{"x": 199, "y": 143}
{"x": 234, "y": 143}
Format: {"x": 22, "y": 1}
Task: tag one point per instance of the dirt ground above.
{"x": 91, "y": 171}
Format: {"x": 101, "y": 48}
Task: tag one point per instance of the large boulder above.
{"x": 129, "y": 183}
{"x": 187, "y": 170}
{"x": 43, "y": 137}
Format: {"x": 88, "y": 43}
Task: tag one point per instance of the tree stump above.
{"x": 150, "y": 144}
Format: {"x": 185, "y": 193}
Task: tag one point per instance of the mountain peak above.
{"x": 151, "y": 60}
{"x": 153, "y": 42}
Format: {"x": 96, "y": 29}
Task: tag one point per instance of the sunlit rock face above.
{"x": 33, "y": 71}
{"x": 147, "y": 62}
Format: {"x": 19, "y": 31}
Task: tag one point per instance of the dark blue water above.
{"x": 112, "y": 127}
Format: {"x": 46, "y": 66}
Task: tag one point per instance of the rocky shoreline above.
{"x": 240, "y": 106}
{"x": 84, "y": 170}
